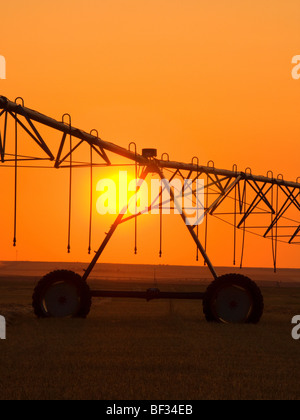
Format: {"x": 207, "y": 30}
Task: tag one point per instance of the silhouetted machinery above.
{"x": 238, "y": 198}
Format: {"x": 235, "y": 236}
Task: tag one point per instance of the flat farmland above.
{"x": 130, "y": 349}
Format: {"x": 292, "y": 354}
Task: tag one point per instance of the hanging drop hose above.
{"x": 206, "y": 217}
{"x": 272, "y": 230}
{"x": 160, "y": 221}
{"x": 272, "y": 221}
{"x": 234, "y": 218}
{"x": 91, "y": 192}
{"x": 244, "y": 230}
{"x": 70, "y": 184}
{"x": 234, "y": 226}
{"x": 197, "y": 251}
{"x": 197, "y": 228}
{"x": 209, "y": 164}
{"x": 91, "y": 205}
{"x": 276, "y": 232}
{"x": 70, "y": 200}
{"x": 136, "y": 192}
{"x": 135, "y": 219}
{"x": 197, "y": 204}
{"x": 16, "y": 184}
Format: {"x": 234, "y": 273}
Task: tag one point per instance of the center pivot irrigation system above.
{"x": 267, "y": 206}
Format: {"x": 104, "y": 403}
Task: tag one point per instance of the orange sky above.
{"x": 193, "y": 77}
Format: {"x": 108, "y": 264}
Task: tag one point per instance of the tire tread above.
{"x": 53, "y": 277}
{"x": 238, "y": 279}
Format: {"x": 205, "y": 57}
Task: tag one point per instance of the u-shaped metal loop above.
{"x": 211, "y": 164}
{"x": 134, "y": 146}
{"x": 70, "y": 119}
{"x": 272, "y": 174}
{"x": 165, "y": 155}
{"x": 235, "y": 168}
{"x": 96, "y": 131}
{"x": 195, "y": 158}
{"x": 248, "y": 171}
{"x": 21, "y": 99}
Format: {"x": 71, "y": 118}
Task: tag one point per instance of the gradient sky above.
{"x": 193, "y": 77}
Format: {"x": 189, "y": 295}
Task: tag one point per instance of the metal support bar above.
{"x": 16, "y": 109}
{"x": 148, "y": 295}
{"x": 222, "y": 184}
{"x": 112, "y": 230}
{"x": 190, "y": 228}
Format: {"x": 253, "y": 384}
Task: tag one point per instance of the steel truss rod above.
{"x": 189, "y": 227}
{"x": 102, "y": 147}
{"x": 12, "y": 107}
{"x": 258, "y": 201}
{"x": 121, "y": 219}
{"x": 252, "y": 194}
{"x": 246, "y": 209}
{"x": 113, "y": 228}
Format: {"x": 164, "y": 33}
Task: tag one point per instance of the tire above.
{"x": 62, "y": 294}
{"x": 233, "y": 298}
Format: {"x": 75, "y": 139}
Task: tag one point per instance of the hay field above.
{"x": 131, "y": 349}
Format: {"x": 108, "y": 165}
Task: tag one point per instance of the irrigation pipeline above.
{"x": 273, "y": 199}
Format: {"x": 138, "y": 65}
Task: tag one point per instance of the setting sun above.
{"x": 149, "y": 75}
{"x": 119, "y": 190}
{"x": 150, "y": 202}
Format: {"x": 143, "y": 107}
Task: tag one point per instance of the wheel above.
{"x": 61, "y": 294}
{"x": 233, "y": 299}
